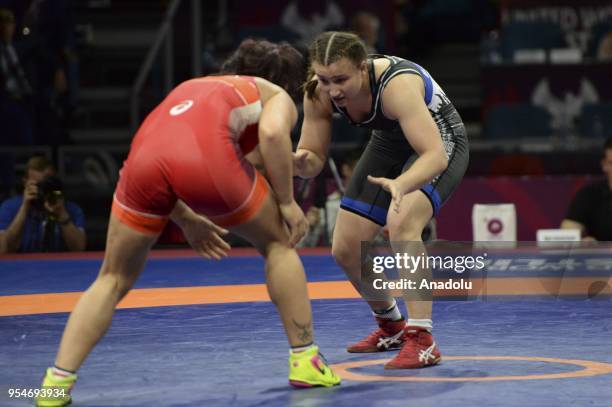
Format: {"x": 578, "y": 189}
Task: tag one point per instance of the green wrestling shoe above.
{"x": 310, "y": 369}
{"x": 55, "y": 391}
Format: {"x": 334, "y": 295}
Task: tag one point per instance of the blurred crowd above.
{"x": 39, "y": 72}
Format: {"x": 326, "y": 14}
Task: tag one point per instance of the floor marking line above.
{"x": 591, "y": 368}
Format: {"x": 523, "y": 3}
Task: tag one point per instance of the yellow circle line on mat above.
{"x": 590, "y": 369}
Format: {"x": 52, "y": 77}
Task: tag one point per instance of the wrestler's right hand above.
{"x": 296, "y": 221}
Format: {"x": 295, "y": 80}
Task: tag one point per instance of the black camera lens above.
{"x": 50, "y": 189}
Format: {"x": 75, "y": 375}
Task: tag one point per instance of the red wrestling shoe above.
{"x": 419, "y": 350}
{"x": 388, "y": 336}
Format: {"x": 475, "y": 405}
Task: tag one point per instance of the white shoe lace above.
{"x": 386, "y": 342}
{"x": 425, "y": 355}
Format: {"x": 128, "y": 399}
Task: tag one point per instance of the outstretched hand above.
{"x": 391, "y": 186}
{"x": 205, "y": 237}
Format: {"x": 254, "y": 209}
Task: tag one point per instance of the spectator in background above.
{"x": 591, "y": 209}
{"x": 604, "y": 50}
{"x": 427, "y": 24}
{"x": 366, "y": 26}
{"x": 49, "y": 36}
{"x": 321, "y": 216}
{"x": 309, "y": 18}
{"x": 41, "y": 220}
{"x": 15, "y": 88}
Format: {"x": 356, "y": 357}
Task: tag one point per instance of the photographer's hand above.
{"x": 58, "y": 210}
{"x": 14, "y": 233}
{"x": 30, "y": 193}
{"x": 73, "y": 236}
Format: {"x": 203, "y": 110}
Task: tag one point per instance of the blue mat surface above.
{"x": 236, "y": 354}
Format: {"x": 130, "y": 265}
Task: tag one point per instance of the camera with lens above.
{"x": 50, "y": 190}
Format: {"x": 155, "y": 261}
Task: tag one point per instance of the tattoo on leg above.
{"x": 305, "y": 333}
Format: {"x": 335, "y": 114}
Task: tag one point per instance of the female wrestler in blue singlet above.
{"x": 417, "y": 155}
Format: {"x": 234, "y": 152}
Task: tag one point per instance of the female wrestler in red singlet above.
{"x": 187, "y": 163}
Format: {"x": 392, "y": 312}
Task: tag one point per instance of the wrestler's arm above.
{"x": 403, "y": 101}
{"x": 315, "y": 137}
{"x": 278, "y": 117}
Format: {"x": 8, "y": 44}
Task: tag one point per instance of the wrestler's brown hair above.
{"x": 279, "y": 63}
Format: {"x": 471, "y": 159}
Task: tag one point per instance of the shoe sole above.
{"x": 372, "y": 350}
{"x": 300, "y": 385}
{"x": 304, "y": 385}
{"x": 435, "y": 362}
{"x": 63, "y": 405}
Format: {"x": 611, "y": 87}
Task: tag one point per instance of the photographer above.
{"x": 41, "y": 220}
